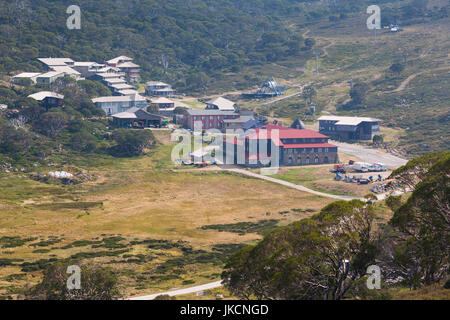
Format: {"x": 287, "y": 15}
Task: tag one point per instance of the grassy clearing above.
{"x": 133, "y": 217}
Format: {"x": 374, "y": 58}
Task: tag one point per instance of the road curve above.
{"x": 207, "y": 286}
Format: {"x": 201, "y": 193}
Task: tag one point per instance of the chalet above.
{"x": 349, "y": 128}
{"x": 49, "y": 77}
{"x": 221, "y": 104}
{"x": 86, "y": 69}
{"x": 210, "y": 119}
{"x": 120, "y": 86}
{"x": 55, "y": 62}
{"x": 137, "y": 118}
{"x": 158, "y": 89}
{"x": 48, "y": 99}
{"x": 296, "y": 147}
{"x": 68, "y": 71}
{"x": 104, "y": 76}
{"x": 116, "y": 104}
{"x": 163, "y": 103}
{"x": 128, "y": 92}
{"x": 125, "y": 64}
{"x": 26, "y": 75}
{"x": 238, "y": 123}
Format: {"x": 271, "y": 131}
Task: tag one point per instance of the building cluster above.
{"x": 121, "y": 67}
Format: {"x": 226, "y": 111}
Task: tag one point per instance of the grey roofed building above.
{"x": 68, "y": 71}
{"x": 49, "y": 77}
{"x": 26, "y": 75}
{"x": 220, "y": 104}
{"x": 111, "y": 81}
{"x": 39, "y": 96}
{"x": 116, "y": 104}
{"x": 349, "y": 128}
{"x": 137, "y": 118}
{"x": 51, "y": 62}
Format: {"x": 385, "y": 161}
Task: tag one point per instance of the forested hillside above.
{"x": 201, "y": 39}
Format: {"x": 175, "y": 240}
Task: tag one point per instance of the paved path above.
{"x": 180, "y": 292}
{"x": 370, "y": 155}
{"x": 291, "y": 185}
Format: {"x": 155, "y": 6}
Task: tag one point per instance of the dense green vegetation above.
{"x": 326, "y": 256}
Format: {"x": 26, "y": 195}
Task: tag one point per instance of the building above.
{"x": 26, "y": 75}
{"x": 137, "y": 118}
{"x": 104, "y": 76}
{"x": 349, "y": 128}
{"x": 158, "y": 89}
{"x": 210, "y": 119}
{"x": 49, "y": 77}
{"x": 68, "y": 71}
{"x": 238, "y": 123}
{"x": 296, "y": 147}
{"x": 111, "y": 81}
{"x": 55, "y": 62}
{"x": 162, "y": 103}
{"x": 116, "y": 104}
{"x": 125, "y": 64}
{"x": 120, "y": 86}
{"x": 268, "y": 89}
{"x": 128, "y": 92}
{"x": 221, "y": 104}
{"x": 86, "y": 69}
{"x": 48, "y": 99}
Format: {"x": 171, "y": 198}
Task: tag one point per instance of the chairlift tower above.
{"x": 317, "y": 54}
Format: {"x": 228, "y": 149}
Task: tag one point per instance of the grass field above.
{"x": 156, "y": 227}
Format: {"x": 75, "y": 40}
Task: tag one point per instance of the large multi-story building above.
{"x": 349, "y": 128}
{"x": 210, "y": 119}
{"x": 293, "y": 147}
{"x": 116, "y": 104}
{"x": 125, "y": 64}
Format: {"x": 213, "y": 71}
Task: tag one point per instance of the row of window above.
{"x": 310, "y": 150}
{"x": 307, "y": 160}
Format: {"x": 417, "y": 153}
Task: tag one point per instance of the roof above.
{"x": 127, "y": 92}
{"x": 309, "y": 145}
{"x": 348, "y": 121}
{"x": 65, "y": 69}
{"x": 27, "y": 75}
{"x": 56, "y": 61}
{"x": 120, "y": 58}
{"x": 84, "y": 64}
{"x": 109, "y": 75}
{"x": 161, "y": 101}
{"x": 163, "y": 90}
{"x": 284, "y": 133}
{"x": 211, "y": 113}
{"x": 298, "y": 124}
{"x": 156, "y": 83}
{"x": 128, "y": 64}
{"x": 125, "y": 115}
{"x": 241, "y": 119}
{"x": 39, "y": 96}
{"x": 119, "y": 99}
{"x": 222, "y": 103}
{"x": 50, "y": 74}
{"x": 121, "y": 86}
{"x": 115, "y": 80}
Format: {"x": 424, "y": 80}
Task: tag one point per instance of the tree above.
{"x": 309, "y": 43}
{"x": 309, "y": 93}
{"x": 132, "y": 142}
{"x": 96, "y": 284}
{"x": 422, "y": 256}
{"x": 51, "y": 123}
{"x": 83, "y": 141}
{"x": 317, "y": 258}
{"x": 397, "y": 68}
{"x": 358, "y": 92}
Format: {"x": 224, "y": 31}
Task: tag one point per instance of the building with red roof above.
{"x": 288, "y": 146}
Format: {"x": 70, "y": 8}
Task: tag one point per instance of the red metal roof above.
{"x": 309, "y": 145}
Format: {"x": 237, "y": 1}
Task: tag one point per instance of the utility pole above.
{"x": 317, "y": 53}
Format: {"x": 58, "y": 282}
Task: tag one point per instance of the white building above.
{"x": 116, "y": 104}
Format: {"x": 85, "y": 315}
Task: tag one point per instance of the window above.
{"x": 307, "y": 160}
{"x": 299, "y": 160}
{"x": 325, "y": 160}
{"x": 290, "y": 160}
{"x": 316, "y": 160}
